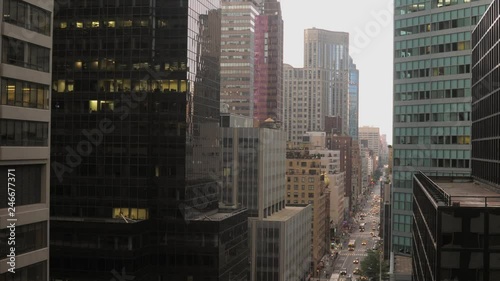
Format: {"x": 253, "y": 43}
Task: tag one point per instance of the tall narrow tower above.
{"x": 238, "y": 56}
{"x": 268, "y": 85}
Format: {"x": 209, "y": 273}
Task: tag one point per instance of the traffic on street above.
{"x": 363, "y": 234}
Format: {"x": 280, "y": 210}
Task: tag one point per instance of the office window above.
{"x": 29, "y": 238}
{"x": 24, "y": 54}
{"x": 24, "y": 94}
{"x": 23, "y": 133}
{"x": 27, "y": 16}
{"x": 28, "y": 184}
{"x": 33, "y": 272}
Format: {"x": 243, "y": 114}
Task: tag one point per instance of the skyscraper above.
{"x": 353, "y": 99}
{"x": 320, "y": 88}
{"x": 238, "y": 56}
{"x": 326, "y": 60}
{"x": 432, "y": 98}
{"x": 462, "y": 243}
{"x": 25, "y": 45}
{"x": 268, "y": 85}
{"x": 486, "y": 98}
{"x": 136, "y": 150}
{"x": 372, "y": 137}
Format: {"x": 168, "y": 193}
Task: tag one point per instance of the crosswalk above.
{"x": 359, "y": 253}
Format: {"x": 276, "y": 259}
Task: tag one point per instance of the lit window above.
{"x": 111, "y": 23}
{"x": 95, "y": 24}
{"x": 79, "y": 24}
{"x": 127, "y": 23}
{"x": 78, "y": 65}
{"x": 63, "y": 24}
{"x": 93, "y": 106}
{"x": 130, "y": 213}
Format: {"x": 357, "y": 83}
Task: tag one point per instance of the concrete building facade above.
{"x": 281, "y": 245}
{"x": 306, "y": 185}
{"x": 25, "y": 107}
{"x": 372, "y": 136}
{"x": 253, "y": 167}
{"x": 320, "y": 88}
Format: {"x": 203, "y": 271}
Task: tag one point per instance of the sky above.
{"x": 370, "y": 27}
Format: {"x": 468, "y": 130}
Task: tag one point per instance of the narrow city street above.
{"x": 345, "y": 262}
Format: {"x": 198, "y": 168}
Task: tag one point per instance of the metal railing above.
{"x": 433, "y": 188}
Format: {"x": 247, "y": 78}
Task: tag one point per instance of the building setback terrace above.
{"x": 460, "y": 191}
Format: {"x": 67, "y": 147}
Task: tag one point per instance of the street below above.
{"x": 369, "y": 215}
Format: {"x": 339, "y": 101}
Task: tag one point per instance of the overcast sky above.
{"x": 370, "y": 27}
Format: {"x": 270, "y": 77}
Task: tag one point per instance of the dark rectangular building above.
{"x": 135, "y": 144}
{"x": 456, "y": 235}
{"x": 486, "y": 97}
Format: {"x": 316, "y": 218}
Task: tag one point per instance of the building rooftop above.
{"x": 469, "y": 193}
{"x": 220, "y": 215}
{"x": 286, "y": 213}
{"x": 459, "y": 191}
{"x": 402, "y": 264}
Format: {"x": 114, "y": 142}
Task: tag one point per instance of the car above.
{"x": 363, "y": 278}
{"x": 356, "y": 271}
{"x": 355, "y": 261}
{"x": 343, "y": 272}
{"x": 363, "y": 243}
{"x": 371, "y": 233}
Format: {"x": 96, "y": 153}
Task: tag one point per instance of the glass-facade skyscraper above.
{"x": 268, "y": 85}
{"x": 486, "y": 98}
{"x": 432, "y": 98}
{"x": 353, "y": 99}
{"x": 136, "y": 146}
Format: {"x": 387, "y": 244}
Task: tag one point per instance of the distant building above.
{"x": 253, "y": 177}
{"x": 268, "y": 72}
{"x": 356, "y": 173}
{"x": 333, "y": 125}
{"x": 353, "y": 99}
{"x": 320, "y": 88}
{"x": 372, "y": 136}
{"x": 306, "y": 185}
{"x": 253, "y": 169}
{"x": 237, "y": 59}
{"x": 344, "y": 145}
{"x": 337, "y": 198}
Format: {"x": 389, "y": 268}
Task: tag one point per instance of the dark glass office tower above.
{"x": 486, "y": 97}
{"x": 135, "y": 145}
